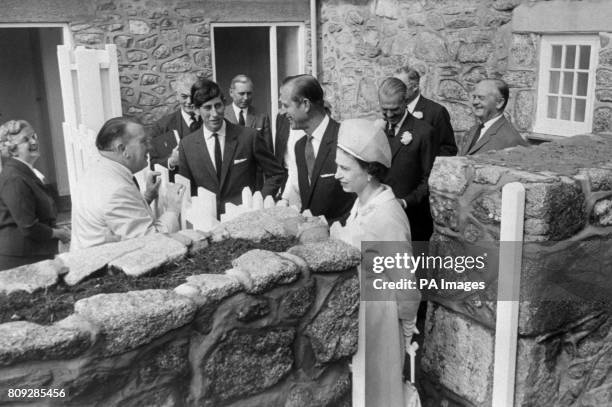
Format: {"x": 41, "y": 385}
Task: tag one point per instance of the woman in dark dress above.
{"x": 27, "y": 210}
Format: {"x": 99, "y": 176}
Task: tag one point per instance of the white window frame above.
{"x": 274, "y": 80}
{"x": 560, "y": 127}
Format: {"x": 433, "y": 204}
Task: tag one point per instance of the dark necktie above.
{"x": 195, "y": 122}
{"x": 136, "y": 182}
{"x": 476, "y": 136}
{"x": 217, "y": 155}
{"x": 309, "y": 156}
{"x": 241, "y": 118}
{"x": 390, "y": 130}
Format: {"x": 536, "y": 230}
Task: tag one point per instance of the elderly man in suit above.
{"x": 223, "y": 157}
{"x": 166, "y": 131}
{"x": 301, "y": 101}
{"x": 107, "y": 205}
{"x": 493, "y": 132}
{"x": 412, "y": 148}
{"x": 427, "y": 110}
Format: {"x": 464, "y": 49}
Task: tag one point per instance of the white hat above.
{"x": 364, "y": 140}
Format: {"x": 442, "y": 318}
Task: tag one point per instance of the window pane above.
{"x": 570, "y": 56}
{"x": 556, "y": 56}
{"x": 585, "y": 56}
{"x": 553, "y": 87}
{"x": 568, "y": 83}
{"x": 552, "y": 107}
{"x": 579, "y": 109}
{"x": 583, "y": 80}
{"x": 566, "y": 108}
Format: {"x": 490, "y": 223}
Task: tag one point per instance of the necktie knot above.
{"x": 390, "y": 130}
{"x": 195, "y": 121}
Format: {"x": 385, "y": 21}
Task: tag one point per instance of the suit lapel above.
{"x": 230, "y": 115}
{"x": 205, "y": 154}
{"x": 488, "y": 134}
{"x": 421, "y": 106}
{"x": 250, "y": 117}
{"x": 395, "y": 142}
{"x": 228, "y": 153}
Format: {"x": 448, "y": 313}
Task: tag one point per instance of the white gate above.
{"x": 90, "y": 94}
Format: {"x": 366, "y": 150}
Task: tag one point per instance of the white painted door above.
{"x": 90, "y": 94}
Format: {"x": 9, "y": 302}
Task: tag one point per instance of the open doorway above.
{"x": 267, "y": 53}
{"x": 29, "y": 79}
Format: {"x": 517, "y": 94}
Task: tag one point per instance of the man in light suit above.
{"x": 107, "y": 205}
{"x": 223, "y": 157}
{"x": 178, "y": 124}
{"x": 427, "y": 110}
{"x": 493, "y": 132}
{"x": 301, "y": 101}
{"x": 412, "y": 148}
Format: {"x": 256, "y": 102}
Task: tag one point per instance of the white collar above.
{"x": 412, "y": 105}
{"x": 384, "y": 194}
{"x": 38, "y": 174}
{"x": 487, "y": 125}
{"x": 187, "y": 116}
{"x": 208, "y": 134}
{"x": 237, "y": 111}
{"x": 318, "y": 133}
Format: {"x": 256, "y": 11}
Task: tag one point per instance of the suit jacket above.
{"x": 254, "y": 119}
{"x": 244, "y": 150}
{"x": 107, "y": 206}
{"x": 409, "y": 174}
{"x": 325, "y": 196}
{"x": 437, "y": 116}
{"x": 500, "y": 135}
{"x": 282, "y": 136}
{"x": 163, "y": 140}
{"x": 27, "y": 213}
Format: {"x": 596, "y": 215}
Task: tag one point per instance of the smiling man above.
{"x": 301, "y": 101}
{"x": 493, "y": 132}
{"x": 223, "y": 157}
{"x": 107, "y": 205}
{"x": 176, "y": 125}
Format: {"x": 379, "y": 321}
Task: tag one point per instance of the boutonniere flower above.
{"x": 406, "y": 138}
{"x": 418, "y": 114}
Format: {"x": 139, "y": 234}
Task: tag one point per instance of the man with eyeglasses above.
{"x": 107, "y": 205}
{"x": 493, "y": 131}
{"x": 167, "y": 131}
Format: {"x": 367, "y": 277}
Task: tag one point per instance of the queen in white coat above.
{"x": 384, "y": 325}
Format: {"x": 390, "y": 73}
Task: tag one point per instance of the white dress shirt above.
{"x": 237, "y": 112}
{"x": 210, "y": 142}
{"x": 107, "y": 206}
{"x": 292, "y": 188}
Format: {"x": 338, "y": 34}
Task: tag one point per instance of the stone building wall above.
{"x": 277, "y": 329}
{"x": 565, "y": 328}
{"x": 453, "y": 43}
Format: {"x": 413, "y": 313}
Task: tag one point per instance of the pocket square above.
{"x": 328, "y": 175}
{"x": 240, "y": 160}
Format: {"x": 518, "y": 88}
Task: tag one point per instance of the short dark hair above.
{"x": 392, "y": 87}
{"x": 111, "y": 130}
{"x": 306, "y": 87}
{"x": 375, "y": 169}
{"x": 204, "y": 90}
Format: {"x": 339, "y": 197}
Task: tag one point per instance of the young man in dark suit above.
{"x": 178, "y": 124}
{"x": 223, "y": 157}
{"x": 429, "y": 111}
{"x": 493, "y": 132}
{"x": 301, "y": 100}
{"x": 412, "y": 149}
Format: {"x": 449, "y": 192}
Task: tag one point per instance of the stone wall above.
{"x": 565, "y": 328}
{"x": 453, "y": 43}
{"x": 277, "y": 329}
